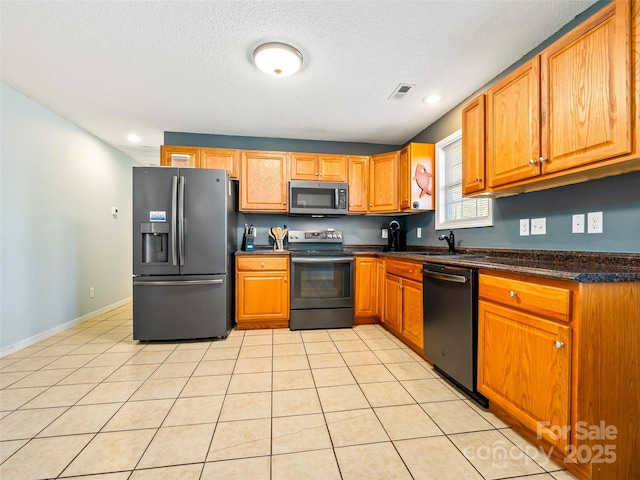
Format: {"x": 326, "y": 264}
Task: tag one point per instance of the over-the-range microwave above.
{"x": 307, "y": 197}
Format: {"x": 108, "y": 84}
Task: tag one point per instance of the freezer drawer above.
{"x": 180, "y": 308}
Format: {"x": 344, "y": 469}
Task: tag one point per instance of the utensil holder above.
{"x": 277, "y": 245}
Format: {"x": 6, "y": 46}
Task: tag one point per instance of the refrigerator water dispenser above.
{"x": 155, "y": 242}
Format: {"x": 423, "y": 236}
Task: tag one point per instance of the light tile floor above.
{"x": 268, "y": 404}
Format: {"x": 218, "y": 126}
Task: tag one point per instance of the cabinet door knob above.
{"x": 371, "y": 204}
{"x": 542, "y": 159}
{"x": 532, "y": 162}
{"x": 478, "y": 179}
{"x": 316, "y": 174}
{"x": 284, "y": 203}
{"x": 285, "y": 279}
{"x": 512, "y": 293}
{"x": 558, "y": 344}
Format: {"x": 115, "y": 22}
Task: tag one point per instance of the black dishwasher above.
{"x": 450, "y": 306}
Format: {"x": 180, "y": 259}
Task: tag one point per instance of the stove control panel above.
{"x": 315, "y": 236}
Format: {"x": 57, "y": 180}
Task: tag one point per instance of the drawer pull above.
{"x": 512, "y": 293}
{"x": 262, "y": 264}
{"x": 558, "y": 344}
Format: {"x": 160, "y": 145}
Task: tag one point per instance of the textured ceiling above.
{"x": 145, "y": 67}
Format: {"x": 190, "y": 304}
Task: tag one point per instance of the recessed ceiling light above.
{"x": 435, "y": 98}
{"x": 133, "y": 138}
{"x": 278, "y": 59}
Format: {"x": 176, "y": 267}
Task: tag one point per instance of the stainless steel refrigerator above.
{"x": 184, "y": 239}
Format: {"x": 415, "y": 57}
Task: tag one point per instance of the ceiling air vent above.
{"x": 400, "y": 91}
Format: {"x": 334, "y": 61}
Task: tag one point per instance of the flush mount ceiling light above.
{"x": 278, "y": 59}
{"x": 133, "y": 138}
{"x": 435, "y": 98}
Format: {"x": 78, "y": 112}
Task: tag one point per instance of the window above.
{"x": 452, "y": 210}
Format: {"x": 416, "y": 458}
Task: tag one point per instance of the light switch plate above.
{"x": 539, "y": 226}
{"x": 594, "y": 222}
{"x": 524, "y": 227}
{"x": 419, "y": 232}
{"x": 385, "y": 233}
{"x": 577, "y": 223}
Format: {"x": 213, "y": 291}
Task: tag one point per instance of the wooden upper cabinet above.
{"x": 586, "y": 99}
{"x": 417, "y": 180}
{"x": 473, "y": 147}
{"x": 304, "y": 166}
{"x": 172, "y": 156}
{"x": 358, "y": 184}
{"x": 383, "y": 182}
{"x": 513, "y": 125}
{"x": 333, "y": 168}
{"x": 263, "y": 181}
{"x": 222, "y": 158}
{"x": 326, "y": 168}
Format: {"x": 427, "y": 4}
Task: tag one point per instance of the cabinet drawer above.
{"x": 265, "y": 262}
{"x": 412, "y": 271}
{"x": 546, "y": 300}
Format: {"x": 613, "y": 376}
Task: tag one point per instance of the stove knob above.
{"x": 339, "y": 235}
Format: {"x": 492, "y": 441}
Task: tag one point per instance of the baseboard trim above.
{"x": 27, "y": 342}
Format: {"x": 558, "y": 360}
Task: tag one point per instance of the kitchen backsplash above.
{"x": 358, "y": 229}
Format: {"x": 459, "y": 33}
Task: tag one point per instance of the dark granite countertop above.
{"x": 263, "y": 250}
{"x": 584, "y": 267}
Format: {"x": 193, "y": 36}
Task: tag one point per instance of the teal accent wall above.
{"x": 275, "y": 144}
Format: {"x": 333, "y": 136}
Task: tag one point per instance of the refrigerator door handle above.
{"x": 174, "y": 208}
{"x": 181, "y": 219}
{"x": 178, "y": 283}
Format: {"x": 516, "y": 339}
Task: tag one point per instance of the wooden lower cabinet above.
{"x": 525, "y": 367}
{"x": 558, "y": 360}
{"x": 365, "y": 288}
{"x": 262, "y": 291}
{"x": 380, "y": 277}
{"x": 403, "y": 302}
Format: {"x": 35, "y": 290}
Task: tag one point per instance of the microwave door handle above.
{"x": 337, "y": 197}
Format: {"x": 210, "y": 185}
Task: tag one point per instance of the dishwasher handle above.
{"x": 447, "y": 277}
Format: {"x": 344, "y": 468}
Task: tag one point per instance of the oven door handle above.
{"x": 322, "y": 260}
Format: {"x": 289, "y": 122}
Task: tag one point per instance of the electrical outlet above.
{"x": 385, "y": 233}
{"x": 524, "y": 227}
{"x": 539, "y": 226}
{"x": 594, "y": 222}
{"x": 577, "y": 223}
{"x": 91, "y": 292}
{"x": 419, "y": 232}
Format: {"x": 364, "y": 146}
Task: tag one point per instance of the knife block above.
{"x": 247, "y": 242}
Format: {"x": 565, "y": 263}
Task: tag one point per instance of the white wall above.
{"x": 58, "y": 238}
